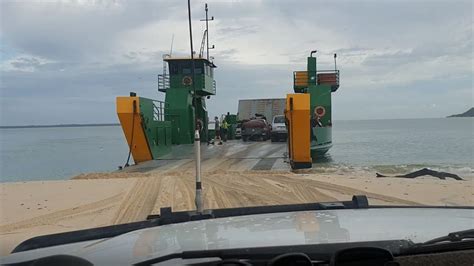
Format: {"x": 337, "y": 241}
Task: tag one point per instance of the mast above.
{"x": 207, "y": 34}
{"x": 207, "y": 30}
{"x": 192, "y": 51}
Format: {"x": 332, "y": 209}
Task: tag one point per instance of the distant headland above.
{"x": 62, "y": 125}
{"x": 468, "y": 113}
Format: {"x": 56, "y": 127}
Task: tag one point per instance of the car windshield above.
{"x": 279, "y": 119}
{"x": 112, "y": 112}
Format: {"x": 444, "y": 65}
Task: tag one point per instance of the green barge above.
{"x": 319, "y": 84}
{"x": 152, "y": 128}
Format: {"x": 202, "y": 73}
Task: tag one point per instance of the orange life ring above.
{"x": 187, "y": 80}
{"x": 319, "y": 111}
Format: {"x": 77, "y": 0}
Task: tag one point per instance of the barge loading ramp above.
{"x": 233, "y": 155}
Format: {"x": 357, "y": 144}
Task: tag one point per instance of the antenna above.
{"x": 171, "y": 48}
{"x": 168, "y": 55}
{"x": 335, "y": 66}
{"x": 207, "y": 31}
{"x": 201, "y": 51}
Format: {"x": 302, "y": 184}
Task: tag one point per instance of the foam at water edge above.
{"x": 342, "y": 169}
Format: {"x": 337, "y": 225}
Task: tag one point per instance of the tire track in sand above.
{"x": 224, "y": 189}
{"x": 54, "y": 217}
{"x": 139, "y": 202}
{"x": 247, "y": 190}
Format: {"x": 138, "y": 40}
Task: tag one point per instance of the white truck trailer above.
{"x": 266, "y": 107}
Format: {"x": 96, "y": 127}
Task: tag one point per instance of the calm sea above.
{"x": 388, "y": 146}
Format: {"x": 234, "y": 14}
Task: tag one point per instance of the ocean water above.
{"x": 388, "y": 146}
{"x": 59, "y": 152}
{"x": 403, "y": 145}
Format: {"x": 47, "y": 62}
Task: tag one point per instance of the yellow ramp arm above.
{"x": 298, "y": 117}
{"x": 128, "y": 111}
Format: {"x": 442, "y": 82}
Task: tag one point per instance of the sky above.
{"x": 66, "y": 61}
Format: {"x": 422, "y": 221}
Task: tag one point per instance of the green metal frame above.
{"x": 157, "y": 131}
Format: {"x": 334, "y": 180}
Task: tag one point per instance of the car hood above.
{"x": 276, "y": 229}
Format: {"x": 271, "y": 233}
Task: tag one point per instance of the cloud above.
{"x": 237, "y": 30}
{"x": 24, "y": 63}
{"x": 66, "y": 61}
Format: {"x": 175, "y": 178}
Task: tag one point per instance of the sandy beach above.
{"x": 31, "y": 209}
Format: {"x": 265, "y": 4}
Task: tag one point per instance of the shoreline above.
{"x": 118, "y": 124}
{"x": 33, "y": 208}
{"x": 464, "y": 171}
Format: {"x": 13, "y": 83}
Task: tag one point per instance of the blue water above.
{"x": 59, "y": 152}
{"x": 374, "y": 145}
{"x": 401, "y": 145}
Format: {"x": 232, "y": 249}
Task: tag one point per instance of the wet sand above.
{"x": 30, "y": 209}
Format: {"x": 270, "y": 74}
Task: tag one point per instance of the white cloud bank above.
{"x": 398, "y": 59}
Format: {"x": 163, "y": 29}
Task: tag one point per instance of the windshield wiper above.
{"x": 459, "y": 240}
{"x": 452, "y": 237}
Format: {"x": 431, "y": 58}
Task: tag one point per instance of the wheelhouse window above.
{"x": 199, "y": 67}
{"x": 186, "y": 71}
{"x": 184, "y": 67}
{"x": 174, "y": 68}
